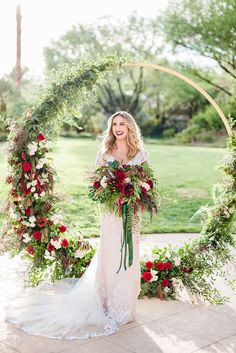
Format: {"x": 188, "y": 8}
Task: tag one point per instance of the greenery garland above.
{"x": 33, "y": 224}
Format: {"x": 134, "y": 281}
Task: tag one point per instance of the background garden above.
{"x": 183, "y": 134}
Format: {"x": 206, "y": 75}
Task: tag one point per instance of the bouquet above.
{"x": 125, "y": 190}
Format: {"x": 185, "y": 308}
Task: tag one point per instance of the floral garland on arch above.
{"x": 34, "y": 226}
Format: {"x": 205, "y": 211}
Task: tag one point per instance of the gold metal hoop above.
{"x": 191, "y": 83}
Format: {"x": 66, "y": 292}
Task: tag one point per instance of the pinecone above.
{"x": 46, "y": 207}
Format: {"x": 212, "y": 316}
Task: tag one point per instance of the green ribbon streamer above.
{"x": 126, "y": 241}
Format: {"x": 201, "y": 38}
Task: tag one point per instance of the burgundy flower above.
{"x": 67, "y": 261}
{"x": 165, "y": 282}
{"x": 146, "y": 276}
{"x": 119, "y": 186}
{"x": 128, "y": 189}
{"x": 41, "y": 222}
{"x": 62, "y": 228}
{"x": 40, "y": 137}
{"x": 37, "y": 235}
{"x": 65, "y": 243}
{"x": 143, "y": 190}
{"x": 96, "y": 184}
{"x": 120, "y": 175}
{"x": 27, "y": 211}
{"x": 187, "y": 270}
{"x": 150, "y": 183}
{"x": 149, "y": 265}
{"x": 160, "y": 266}
{"x": 30, "y": 250}
{"x": 50, "y": 247}
{"x": 9, "y": 179}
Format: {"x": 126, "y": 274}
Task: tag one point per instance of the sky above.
{"x": 43, "y": 20}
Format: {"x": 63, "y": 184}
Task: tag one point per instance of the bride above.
{"x": 102, "y": 299}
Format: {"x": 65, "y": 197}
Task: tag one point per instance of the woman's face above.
{"x": 119, "y": 127}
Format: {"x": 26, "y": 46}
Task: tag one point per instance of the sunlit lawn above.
{"x": 187, "y": 173}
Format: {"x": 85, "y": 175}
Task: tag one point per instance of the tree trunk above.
{"x": 18, "y": 46}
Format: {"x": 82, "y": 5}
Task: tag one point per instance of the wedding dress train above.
{"x": 93, "y": 305}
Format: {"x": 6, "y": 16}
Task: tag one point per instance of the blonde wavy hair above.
{"x": 134, "y": 137}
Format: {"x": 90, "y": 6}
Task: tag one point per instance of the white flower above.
{"x": 34, "y": 182}
{"x": 13, "y": 214}
{"x": 56, "y": 218}
{"x": 154, "y": 276}
{"x": 36, "y": 195}
{"x": 33, "y": 189}
{"x": 103, "y": 181}
{"x": 80, "y": 253}
{"x": 27, "y": 238}
{"x": 145, "y": 185}
{"x": 32, "y": 147}
{"x": 49, "y": 255}
{"x": 32, "y": 219}
{"x": 31, "y": 225}
{"x": 42, "y": 194}
{"x": 41, "y": 162}
{"x": 56, "y": 243}
{"x": 177, "y": 260}
{"x": 127, "y": 180}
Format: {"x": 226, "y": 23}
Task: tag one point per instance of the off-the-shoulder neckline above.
{"x": 110, "y": 155}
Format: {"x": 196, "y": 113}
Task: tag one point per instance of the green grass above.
{"x": 187, "y": 173}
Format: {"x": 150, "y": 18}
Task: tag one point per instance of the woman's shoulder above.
{"x": 101, "y": 157}
{"x": 144, "y": 155}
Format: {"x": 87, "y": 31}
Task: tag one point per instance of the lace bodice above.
{"x": 103, "y": 158}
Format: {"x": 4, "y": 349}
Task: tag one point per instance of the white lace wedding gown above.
{"x": 93, "y": 305}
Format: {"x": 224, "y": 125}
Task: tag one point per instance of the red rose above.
{"x": 168, "y": 265}
{"x": 26, "y": 166}
{"x": 30, "y": 250}
{"x": 96, "y": 184}
{"x": 149, "y": 264}
{"x": 146, "y": 276}
{"x": 37, "y": 235}
{"x": 65, "y": 243}
{"x": 50, "y": 247}
{"x": 128, "y": 189}
{"x": 120, "y": 175}
{"x": 40, "y": 137}
{"x": 23, "y": 156}
{"x": 150, "y": 183}
{"x": 165, "y": 282}
{"x": 27, "y": 211}
{"x": 160, "y": 266}
{"x": 62, "y": 228}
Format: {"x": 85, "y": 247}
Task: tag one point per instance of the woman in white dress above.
{"x": 102, "y": 299}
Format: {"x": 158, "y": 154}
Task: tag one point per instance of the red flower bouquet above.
{"x": 125, "y": 190}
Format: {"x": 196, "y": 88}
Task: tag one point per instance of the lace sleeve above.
{"x": 144, "y": 156}
{"x": 100, "y": 160}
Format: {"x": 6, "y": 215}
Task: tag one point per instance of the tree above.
{"x": 205, "y": 27}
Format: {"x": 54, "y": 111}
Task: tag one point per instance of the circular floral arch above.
{"x": 33, "y": 225}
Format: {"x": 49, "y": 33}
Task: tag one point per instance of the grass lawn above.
{"x": 187, "y": 173}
